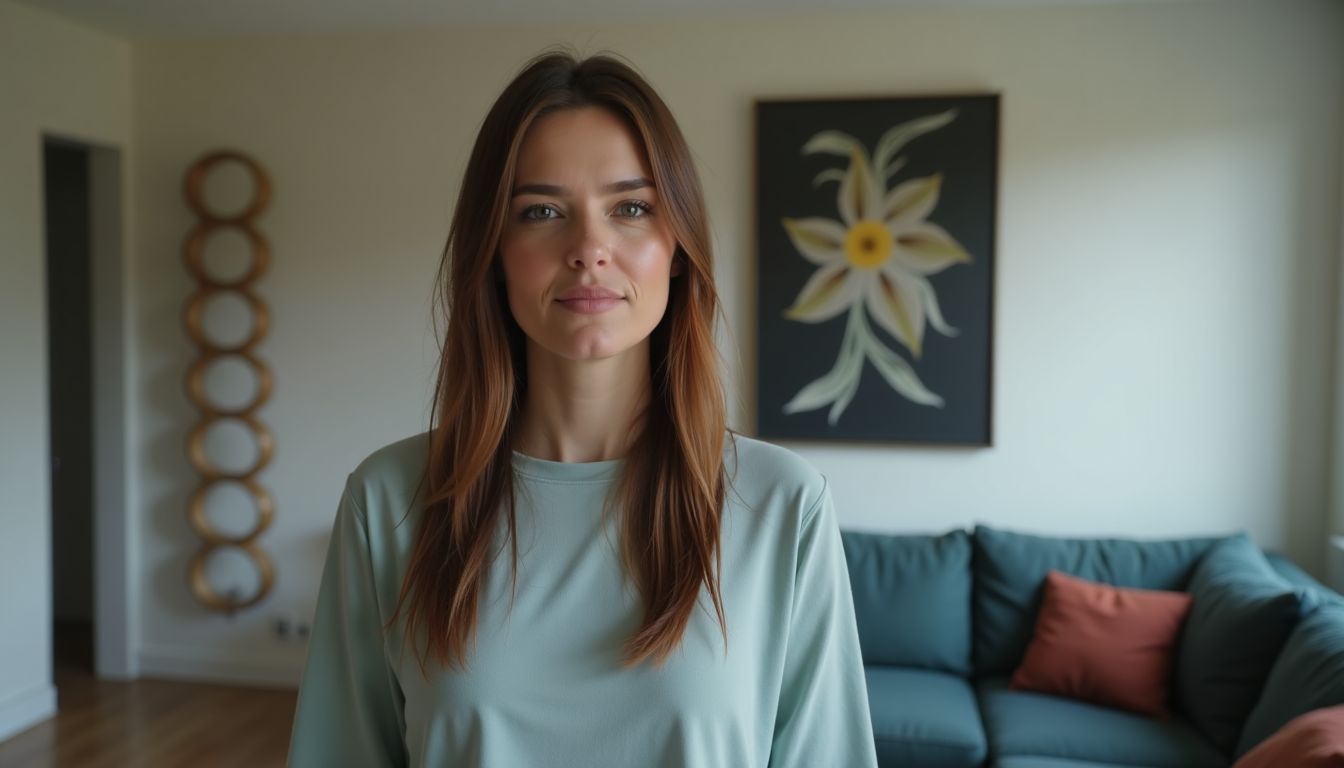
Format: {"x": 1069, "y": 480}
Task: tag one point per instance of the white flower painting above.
{"x": 874, "y": 264}
{"x": 876, "y": 261}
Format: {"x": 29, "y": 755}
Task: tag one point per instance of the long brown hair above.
{"x": 671, "y": 491}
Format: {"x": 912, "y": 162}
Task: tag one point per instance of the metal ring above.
{"x": 195, "y": 195}
{"x": 206, "y": 594}
{"x": 196, "y": 384}
{"x": 199, "y": 459}
{"x": 207, "y": 531}
{"x": 194, "y": 252}
{"x": 196, "y": 306}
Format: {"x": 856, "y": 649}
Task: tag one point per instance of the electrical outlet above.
{"x": 289, "y": 627}
{"x": 282, "y": 626}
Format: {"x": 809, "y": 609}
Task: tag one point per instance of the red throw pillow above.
{"x": 1313, "y": 740}
{"x": 1103, "y": 644}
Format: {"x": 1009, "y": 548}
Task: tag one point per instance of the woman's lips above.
{"x": 590, "y": 306}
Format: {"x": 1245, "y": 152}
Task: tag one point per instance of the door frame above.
{"x": 116, "y": 601}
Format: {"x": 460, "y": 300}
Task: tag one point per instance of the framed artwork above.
{"x": 875, "y": 222}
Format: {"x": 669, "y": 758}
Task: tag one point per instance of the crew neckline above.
{"x": 567, "y": 471}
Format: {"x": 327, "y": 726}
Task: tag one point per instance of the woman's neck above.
{"x": 579, "y": 411}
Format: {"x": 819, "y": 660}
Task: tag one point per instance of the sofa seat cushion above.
{"x": 1033, "y": 761}
{"x": 1019, "y": 723}
{"x": 924, "y": 718}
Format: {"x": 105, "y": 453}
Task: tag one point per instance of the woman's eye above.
{"x": 633, "y": 209}
{"x": 540, "y": 211}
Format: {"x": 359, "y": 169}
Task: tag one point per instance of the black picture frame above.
{"x": 875, "y": 223}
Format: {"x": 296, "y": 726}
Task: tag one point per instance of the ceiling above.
{"x": 167, "y": 19}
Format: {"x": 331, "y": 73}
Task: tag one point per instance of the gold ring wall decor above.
{"x": 209, "y": 287}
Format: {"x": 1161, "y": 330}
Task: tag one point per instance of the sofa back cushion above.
{"x": 912, "y": 598}
{"x": 1243, "y": 611}
{"x": 1010, "y": 570}
{"x": 1309, "y": 674}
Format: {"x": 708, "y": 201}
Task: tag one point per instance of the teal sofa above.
{"x": 944, "y": 620}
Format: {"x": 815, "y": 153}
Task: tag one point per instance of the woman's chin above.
{"x": 589, "y": 346}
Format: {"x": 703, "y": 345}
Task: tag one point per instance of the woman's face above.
{"x": 587, "y": 252}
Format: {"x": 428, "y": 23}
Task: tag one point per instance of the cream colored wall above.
{"x": 57, "y": 78}
{"x": 1168, "y": 232}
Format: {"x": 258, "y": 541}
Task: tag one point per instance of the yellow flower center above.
{"x": 868, "y": 244}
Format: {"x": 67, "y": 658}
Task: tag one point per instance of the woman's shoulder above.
{"x": 391, "y": 473}
{"x": 757, "y": 469}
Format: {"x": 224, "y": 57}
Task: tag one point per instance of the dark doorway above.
{"x": 68, "y": 206}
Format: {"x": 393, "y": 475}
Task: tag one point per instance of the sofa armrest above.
{"x": 1300, "y": 578}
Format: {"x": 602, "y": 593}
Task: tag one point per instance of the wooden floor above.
{"x": 151, "y": 723}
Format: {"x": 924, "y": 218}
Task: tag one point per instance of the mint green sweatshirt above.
{"x": 544, "y": 687}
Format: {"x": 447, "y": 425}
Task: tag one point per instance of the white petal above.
{"x": 829, "y": 291}
{"x": 817, "y": 394}
{"x": 830, "y": 174}
{"x": 892, "y": 168}
{"x": 847, "y": 395}
{"x": 860, "y": 197}
{"x": 926, "y": 248}
{"x": 912, "y": 201}
{"x": 931, "y": 307}
{"x": 836, "y": 386}
{"x": 901, "y": 376}
{"x": 895, "y": 302}
{"x": 831, "y": 143}
{"x": 900, "y": 135}
{"x": 821, "y": 241}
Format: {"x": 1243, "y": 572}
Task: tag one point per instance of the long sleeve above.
{"x": 823, "y": 719}
{"x": 350, "y": 707}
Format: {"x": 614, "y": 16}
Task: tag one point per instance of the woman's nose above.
{"x": 591, "y": 248}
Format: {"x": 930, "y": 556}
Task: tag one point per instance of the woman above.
{"x": 582, "y": 425}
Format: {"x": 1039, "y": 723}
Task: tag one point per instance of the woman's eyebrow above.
{"x": 629, "y": 185}
{"x": 614, "y": 187}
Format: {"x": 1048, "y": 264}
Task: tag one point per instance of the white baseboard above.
{"x": 170, "y": 663}
{"x": 26, "y": 709}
